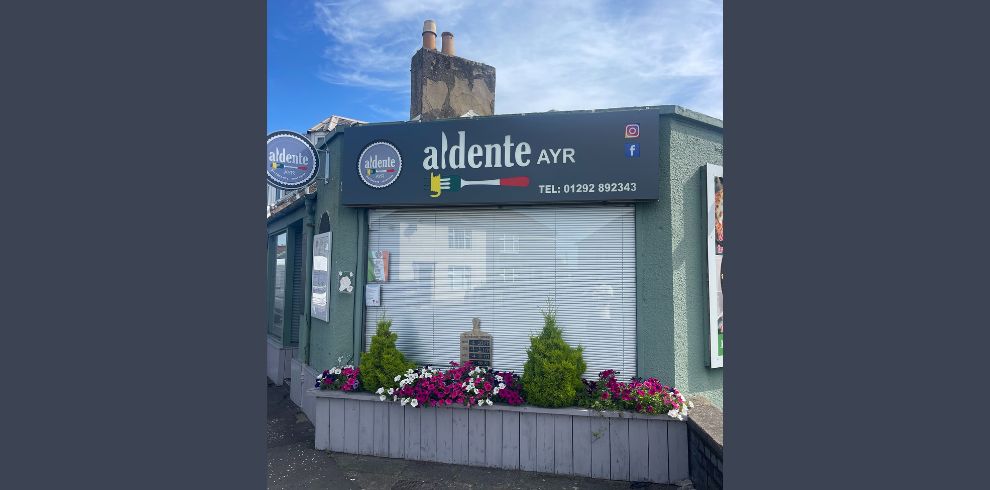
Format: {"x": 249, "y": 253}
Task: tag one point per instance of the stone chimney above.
{"x": 430, "y": 35}
{"x": 448, "y": 44}
{"x": 445, "y": 85}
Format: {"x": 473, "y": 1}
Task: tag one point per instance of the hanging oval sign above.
{"x": 292, "y": 162}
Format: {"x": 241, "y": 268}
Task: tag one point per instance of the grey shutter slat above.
{"x": 527, "y": 441}
{"x": 381, "y": 429}
{"x": 445, "y": 435}
{"x": 450, "y": 265}
{"x": 582, "y": 445}
{"x": 366, "y": 429}
{"x": 493, "y": 438}
{"x": 510, "y": 440}
{"x": 639, "y": 450}
{"x": 352, "y": 421}
{"x": 337, "y": 424}
{"x": 460, "y": 436}
{"x": 618, "y": 430}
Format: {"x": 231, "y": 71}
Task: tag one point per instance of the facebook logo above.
{"x": 632, "y": 150}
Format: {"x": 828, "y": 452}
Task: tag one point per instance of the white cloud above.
{"x": 561, "y": 55}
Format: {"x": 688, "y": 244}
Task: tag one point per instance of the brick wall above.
{"x": 704, "y": 459}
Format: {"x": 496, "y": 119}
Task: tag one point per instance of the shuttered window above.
{"x": 297, "y": 286}
{"x": 278, "y": 288}
{"x": 501, "y": 265}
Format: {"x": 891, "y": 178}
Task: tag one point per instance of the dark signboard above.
{"x": 530, "y": 158}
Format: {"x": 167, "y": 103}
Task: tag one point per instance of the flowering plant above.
{"x": 650, "y": 396}
{"x": 460, "y": 385}
{"x": 339, "y": 378}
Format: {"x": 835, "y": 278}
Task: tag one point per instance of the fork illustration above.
{"x": 454, "y": 183}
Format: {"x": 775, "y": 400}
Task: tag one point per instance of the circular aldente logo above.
{"x": 379, "y": 164}
{"x": 292, "y": 162}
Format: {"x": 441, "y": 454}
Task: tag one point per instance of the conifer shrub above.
{"x": 383, "y": 361}
{"x": 553, "y": 369}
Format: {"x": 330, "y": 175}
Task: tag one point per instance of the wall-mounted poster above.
{"x": 714, "y": 184}
{"x": 320, "y": 304}
{"x": 378, "y": 266}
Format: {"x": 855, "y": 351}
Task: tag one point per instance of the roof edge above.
{"x": 664, "y": 110}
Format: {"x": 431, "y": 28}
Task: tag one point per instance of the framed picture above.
{"x": 715, "y": 204}
{"x": 320, "y": 304}
{"x": 378, "y": 266}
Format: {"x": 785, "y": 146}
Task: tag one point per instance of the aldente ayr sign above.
{"x": 519, "y": 159}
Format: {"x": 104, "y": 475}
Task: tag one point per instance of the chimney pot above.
{"x": 430, "y": 35}
{"x": 447, "y": 46}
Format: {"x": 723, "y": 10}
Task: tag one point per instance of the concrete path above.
{"x": 294, "y": 463}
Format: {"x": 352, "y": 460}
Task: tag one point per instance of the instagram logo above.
{"x": 632, "y": 130}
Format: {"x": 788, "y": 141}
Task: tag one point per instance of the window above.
{"x": 509, "y": 274}
{"x": 460, "y": 276}
{"x": 500, "y": 265}
{"x": 510, "y": 244}
{"x": 423, "y": 272}
{"x": 459, "y": 238}
{"x": 278, "y": 305}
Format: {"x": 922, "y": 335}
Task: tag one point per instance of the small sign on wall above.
{"x": 320, "y": 301}
{"x": 373, "y": 295}
{"x": 714, "y": 204}
{"x": 378, "y": 266}
{"x": 346, "y": 282}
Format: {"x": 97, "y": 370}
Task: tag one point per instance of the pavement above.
{"x": 294, "y": 463}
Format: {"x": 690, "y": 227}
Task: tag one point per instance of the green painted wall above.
{"x": 672, "y": 311}
{"x": 328, "y": 341}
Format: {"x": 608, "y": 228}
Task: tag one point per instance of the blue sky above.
{"x": 351, "y": 57}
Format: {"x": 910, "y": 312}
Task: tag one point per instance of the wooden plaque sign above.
{"x": 476, "y": 346}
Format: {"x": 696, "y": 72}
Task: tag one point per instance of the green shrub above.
{"x": 383, "y": 361}
{"x": 552, "y": 373}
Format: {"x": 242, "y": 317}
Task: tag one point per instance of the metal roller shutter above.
{"x": 500, "y": 265}
{"x": 297, "y": 287}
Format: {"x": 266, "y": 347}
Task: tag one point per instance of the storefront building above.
{"x": 439, "y": 220}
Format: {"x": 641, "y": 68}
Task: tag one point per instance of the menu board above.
{"x": 480, "y": 352}
{"x": 714, "y": 187}
{"x": 320, "y": 304}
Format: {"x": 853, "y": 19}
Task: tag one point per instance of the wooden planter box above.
{"x": 566, "y": 441}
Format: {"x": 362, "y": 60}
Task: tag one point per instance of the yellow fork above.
{"x": 434, "y": 185}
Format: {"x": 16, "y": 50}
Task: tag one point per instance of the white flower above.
{"x": 495, "y": 390}
{"x": 481, "y": 402}
{"x": 380, "y": 390}
{"x": 498, "y": 378}
{"x": 489, "y": 401}
{"x": 405, "y": 401}
{"x": 391, "y": 391}
{"x": 501, "y": 386}
{"x": 395, "y": 398}
{"x": 381, "y": 397}
{"x": 672, "y": 413}
{"x": 414, "y": 402}
{"x": 398, "y": 378}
